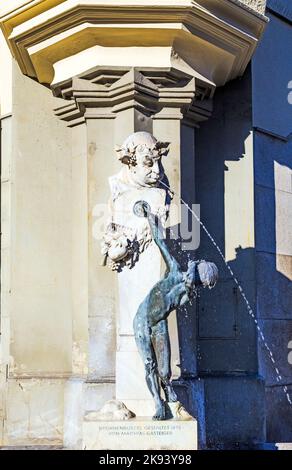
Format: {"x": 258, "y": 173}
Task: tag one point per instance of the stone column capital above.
{"x": 160, "y": 93}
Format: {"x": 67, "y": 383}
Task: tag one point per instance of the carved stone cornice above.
{"x": 256, "y": 5}
{"x": 159, "y": 93}
{"x": 215, "y": 38}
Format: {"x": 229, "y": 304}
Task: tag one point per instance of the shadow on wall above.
{"x": 217, "y": 338}
{"x": 273, "y": 209}
{"x": 226, "y": 334}
{"x": 222, "y": 340}
{"x": 213, "y": 149}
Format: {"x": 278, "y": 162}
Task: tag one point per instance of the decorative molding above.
{"x": 224, "y": 33}
{"x": 159, "y": 93}
{"x": 257, "y": 5}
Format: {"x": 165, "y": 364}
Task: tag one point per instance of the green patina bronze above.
{"x": 174, "y": 290}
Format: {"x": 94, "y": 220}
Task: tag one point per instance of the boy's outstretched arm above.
{"x": 170, "y": 261}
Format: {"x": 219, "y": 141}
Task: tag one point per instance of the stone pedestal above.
{"x": 134, "y": 285}
{"x": 140, "y": 434}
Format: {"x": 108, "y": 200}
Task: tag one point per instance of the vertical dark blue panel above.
{"x": 272, "y": 74}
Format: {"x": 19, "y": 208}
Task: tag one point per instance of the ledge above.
{"x": 213, "y": 38}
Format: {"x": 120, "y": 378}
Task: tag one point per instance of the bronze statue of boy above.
{"x": 174, "y": 290}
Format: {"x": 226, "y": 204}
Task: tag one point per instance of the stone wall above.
{"x": 227, "y": 338}
{"x": 273, "y": 215}
{"x": 36, "y": 322}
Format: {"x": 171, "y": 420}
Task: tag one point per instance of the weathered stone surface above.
{"x": 96, "y": 394}
{"x": 102, "y": 347}
{"x": 41, "y": 278}
{"x": 34, "y": 412}
{"x": 140, "y": 434}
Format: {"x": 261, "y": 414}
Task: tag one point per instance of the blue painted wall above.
{"x": 272, "y": 122}
{"x": 230, "y": 357}
{"x": 227, "y": 353}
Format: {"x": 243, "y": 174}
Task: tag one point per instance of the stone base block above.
{"x": 140, "y": 434}
{"x": 230, "y": 410}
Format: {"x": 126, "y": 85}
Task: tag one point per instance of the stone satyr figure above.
{"x": 141, "y": 153}
{"x": 150, "y": 323}
{"x": 126, "y": 238}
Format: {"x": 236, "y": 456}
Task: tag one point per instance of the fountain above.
{"x": 139, "y": 208}
{"x": 243, "y": 295}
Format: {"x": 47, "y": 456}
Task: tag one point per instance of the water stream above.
{"x": 249, "y": 308}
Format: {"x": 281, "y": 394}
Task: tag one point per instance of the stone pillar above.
{"x": 93, "y": 132}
